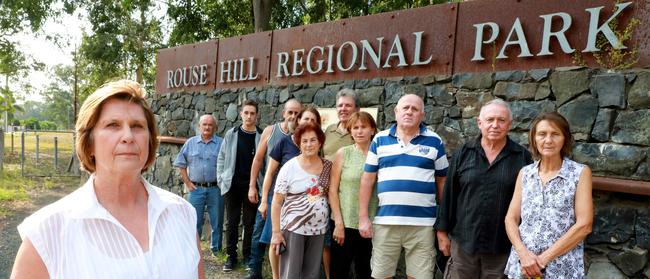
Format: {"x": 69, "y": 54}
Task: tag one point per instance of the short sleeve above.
{"x": 43, "y": 231}
{"x": 181, "y": 158}
{"x": 189, "y": 215}
{"x": 441, "y": 163}
{"x": 282, "y": 182}
{"x": 372, "y": 163}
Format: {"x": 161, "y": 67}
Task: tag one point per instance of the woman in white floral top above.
{"x": 299, "y": 211}
{"x": 552, "y": 199}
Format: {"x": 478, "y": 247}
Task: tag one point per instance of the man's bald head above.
{"x": 291, "y": 109}
{"x": 409, "y": 111}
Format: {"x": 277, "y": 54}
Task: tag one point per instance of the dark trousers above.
{"x": 355, "y": 249}
{"x": 258, "y": 249}
{"x": 237, "y": 205}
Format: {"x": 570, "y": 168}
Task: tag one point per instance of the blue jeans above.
{"x": 211, "y": 198}
{"x": 258, "y": 249}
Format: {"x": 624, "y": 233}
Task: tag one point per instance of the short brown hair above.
{"x": 362, "y": 116}
{"x": 297, "y": 134}
{"x": 558, "y": 121}
{"x": 309, "y": 109}
{"x": 250, "y": 103}
{"x": 91, "y": 109}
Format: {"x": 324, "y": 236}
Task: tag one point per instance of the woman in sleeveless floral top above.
{"x": 553, "y": 201}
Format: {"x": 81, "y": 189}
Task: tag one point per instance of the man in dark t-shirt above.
{"x": 233, "y": 173}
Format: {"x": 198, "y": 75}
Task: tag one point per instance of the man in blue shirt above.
{"x": 408, "y": 162}
{"x": 199, "y": 155}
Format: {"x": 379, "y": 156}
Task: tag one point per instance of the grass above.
{"x": 14, "y": 187}
{"x": 43, "y": 165}
{"x": 221, "y": 257}
{"x": 12, "y": 194}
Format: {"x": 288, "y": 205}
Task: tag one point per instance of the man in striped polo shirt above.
{"x": 408, "y": 162}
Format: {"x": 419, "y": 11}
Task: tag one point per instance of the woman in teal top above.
{"x": 348, "y": 245}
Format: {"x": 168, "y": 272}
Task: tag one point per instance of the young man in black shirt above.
{"x": 233, "y": 173}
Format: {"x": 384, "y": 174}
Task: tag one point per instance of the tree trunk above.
{"x": 262, "y": 15}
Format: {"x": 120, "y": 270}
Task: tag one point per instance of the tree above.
{"x": 11, "y": 63}
{"x": 16, "y": 16}
{"x": 200, "y": 20}
{"x": 262, "y": 14}
{"x": 122, "y": 43}
{"x": 58, "y": 98}
{"x": 30, "y": 109}
{"x": 47, "y": 125}
{"x": 31, "y": 123}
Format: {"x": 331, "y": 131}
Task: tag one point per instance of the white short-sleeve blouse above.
{"x": 78, "y": 238}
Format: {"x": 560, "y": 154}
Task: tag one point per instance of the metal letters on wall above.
{"x": 473, "y": 36}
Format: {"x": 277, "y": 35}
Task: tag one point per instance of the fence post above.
{"x": 56, "y": 154}
{"x": 22, "y": 153}
{"x": 2, "y": 147}
{"x": 12, "y": 142}
{"x": 37, "y": 142}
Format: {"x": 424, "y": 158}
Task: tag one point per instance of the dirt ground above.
{"x": 10, "y": 239}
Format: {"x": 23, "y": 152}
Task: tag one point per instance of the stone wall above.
{"x": 609, "y": 115}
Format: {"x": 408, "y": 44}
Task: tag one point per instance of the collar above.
{"x": 86, "y": 205}
{"x": 393, "y": 130}
{"x": 564, "y": 172}
{"x": 510, "y": 146}
{"x": 200, "y": 139}
{"x": 240, "y": 127}
{"x": 334, "y": 128}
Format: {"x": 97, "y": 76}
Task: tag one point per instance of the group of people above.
{"x": 347, "y": 196}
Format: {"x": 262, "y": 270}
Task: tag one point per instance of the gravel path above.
{"x": 9, "y": 237}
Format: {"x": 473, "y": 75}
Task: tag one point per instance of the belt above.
{"x": 205, "y": 184}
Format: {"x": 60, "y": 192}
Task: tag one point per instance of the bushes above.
{"x": 34, "y": 124}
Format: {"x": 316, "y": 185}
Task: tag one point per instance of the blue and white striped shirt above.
{"x": 406, "y": 176}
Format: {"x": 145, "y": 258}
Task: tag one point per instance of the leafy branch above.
{"x": 610, "y": 57}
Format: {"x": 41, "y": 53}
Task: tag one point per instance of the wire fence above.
{"x": 39, "y": 153}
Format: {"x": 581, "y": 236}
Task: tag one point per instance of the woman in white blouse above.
{"x": 116, "y": 225}
{"x": 299, "y": 212}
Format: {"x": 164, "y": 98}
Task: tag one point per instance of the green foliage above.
{"x": 621, "y": 58}
{"x": 194, "y": 21}
{"x": 47, "y": 125}
{"x": 12, "y": 188}
{"x": 610, "y": 57}
{"x": 34, "y": 124}
{"x": 11, "y": 59}
{"x": 30, "y": 109}
{"x": 122, "y": 43}
{"x": 8, "y": 102}
{"x": 58, "y": 95}
{"x": 31, "y": 123}
{"x": 12, "y": 194}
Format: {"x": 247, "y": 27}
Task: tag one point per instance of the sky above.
{"x": 69, "y": 27}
